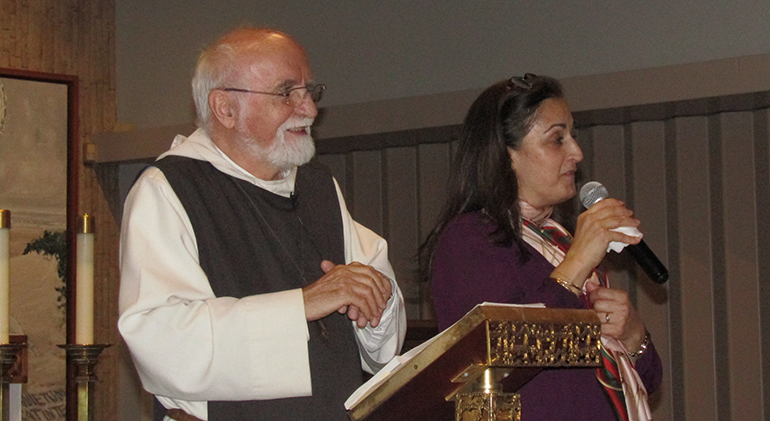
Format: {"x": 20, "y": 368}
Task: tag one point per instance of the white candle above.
{"x": 84, "y": 300}
{"x": 5, "y": 274}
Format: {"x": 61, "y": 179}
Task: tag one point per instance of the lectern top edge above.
{"x": 423, "y": 380}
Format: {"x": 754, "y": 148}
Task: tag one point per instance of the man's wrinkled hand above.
{"x": 356, "y": 289}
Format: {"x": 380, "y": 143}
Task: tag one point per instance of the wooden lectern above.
{"x": 460, "y": 374}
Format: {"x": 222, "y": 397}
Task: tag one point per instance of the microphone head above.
{"x": 592, "y": 192}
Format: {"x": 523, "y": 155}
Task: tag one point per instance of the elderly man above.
{"x": 244, "y": 280}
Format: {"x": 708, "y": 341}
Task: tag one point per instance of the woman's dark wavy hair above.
{"x": 482, "y": 177}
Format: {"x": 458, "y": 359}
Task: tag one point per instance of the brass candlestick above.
{"x": 84, "y": 358}
{"x": 8, "y": 357}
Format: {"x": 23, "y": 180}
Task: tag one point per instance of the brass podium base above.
{"x": 483, "y": 399}
{"x": 482, "y": 406}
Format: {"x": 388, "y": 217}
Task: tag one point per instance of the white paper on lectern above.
{"x": 400, "y": 360}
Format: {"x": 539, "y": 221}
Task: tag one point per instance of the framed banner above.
{"x": 36, "y": 179}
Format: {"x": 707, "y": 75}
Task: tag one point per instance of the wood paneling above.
{"x": 368, "y": 190}
{"x": 695, "y": 261}
{"x": 609, "y": 141}
{"x": 434, "y": 163}
{"x": 649, "y": 205}
{"x": 741, "y": 315}
{"x": 403, "y": 232}
{"x": 762, "y": 164}
{"x": 77, "y": 37}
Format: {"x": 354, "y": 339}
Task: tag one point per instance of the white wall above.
{"x": 369, "y": 51}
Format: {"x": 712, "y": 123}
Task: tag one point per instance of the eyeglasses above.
{"x": 524, "y": 82}
{"x": 294, "y": 96}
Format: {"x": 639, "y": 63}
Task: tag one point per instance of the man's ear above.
{"x": 222, "y": 108}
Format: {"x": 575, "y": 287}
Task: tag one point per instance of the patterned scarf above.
{"x": 608, "y": 374}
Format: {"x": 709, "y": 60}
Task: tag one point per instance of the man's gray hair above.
{"x": 219, "y": 64}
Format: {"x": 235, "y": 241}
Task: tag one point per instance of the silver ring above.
{"x": 607, "y": 318}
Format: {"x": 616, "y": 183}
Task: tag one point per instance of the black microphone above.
{"x": 294, "y": 199}
{"x": 593, "y": 192}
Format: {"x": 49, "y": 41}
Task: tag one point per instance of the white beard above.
{"x": 285, "y": 155}
{"x": 282, "y": 154}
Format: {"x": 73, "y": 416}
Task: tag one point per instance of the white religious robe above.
{"x": 251, "y": 348}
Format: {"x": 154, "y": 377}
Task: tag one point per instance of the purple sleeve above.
{"x": 468, "y": 269}
{"x": 650, "y": 368}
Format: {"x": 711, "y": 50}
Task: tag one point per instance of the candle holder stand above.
{"x": 8, "y": 358}
{"x": 84, "y": 358}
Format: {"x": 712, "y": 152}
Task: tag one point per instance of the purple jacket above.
{"x": 468, "y": 270}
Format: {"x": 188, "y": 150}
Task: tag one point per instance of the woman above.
{"x": 496, "y": 242}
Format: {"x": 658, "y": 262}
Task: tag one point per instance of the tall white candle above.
{"x": 5, "y": 274}
{"x": 84, "y": 300}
